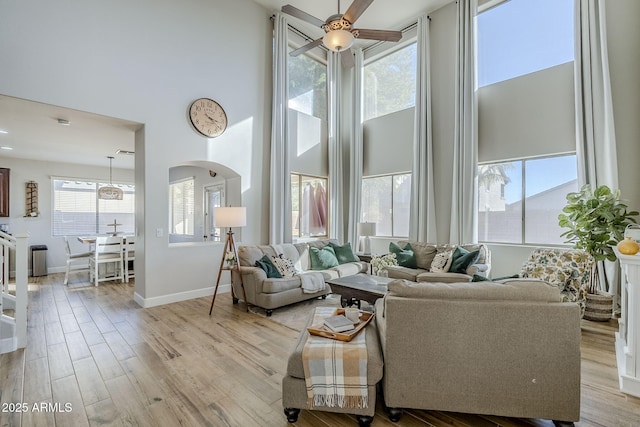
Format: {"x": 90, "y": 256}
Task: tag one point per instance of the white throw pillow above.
{"x": 441, "y": 262}
{"x": 285, "y": 266}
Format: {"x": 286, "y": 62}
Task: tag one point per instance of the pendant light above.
{"x": 110, "y": 192}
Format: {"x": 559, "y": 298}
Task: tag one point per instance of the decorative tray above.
{"x": 320, "y": 330}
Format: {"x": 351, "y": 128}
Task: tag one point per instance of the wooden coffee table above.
{"x": 358, "y": 287}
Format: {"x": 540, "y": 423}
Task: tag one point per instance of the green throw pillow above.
{"x": 266, "y": 264}
{"x": 462, "y": 259}
{"x": 324, "y": 258}
{"x": 405, "y": 256}
{"x": 478, "y": 278}
{"x": 344, "y": 253}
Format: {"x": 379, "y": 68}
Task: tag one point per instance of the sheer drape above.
{"x": 355, "y": 178}
{"x": 422, "y": 215}
{"x": 280, "y": 197}
{"x": 595, "y": 132}
{"x": 464, "y": 215}
{"x": 336, "y": 190}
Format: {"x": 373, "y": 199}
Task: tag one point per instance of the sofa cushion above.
{"x": 405, "y": 256}
{"x": 446, "y": 277}
{"x": 350, "y": 269}
{"x": 461, "y": 259}
{"x": 442, "y": 262}
{"x": 248, "y": 255}
{"x": 483, "y": 252}
{"x": 514, "y": 289}
{"x": 284, "y": 265}
{"x": 322, "y": 259}
{"x": 343, "y": 253}
{"x": 268, "y": 267}
{"x": 397, "y": 272}
{"x": 273, "y": 286}
{"x": 424, "y": 253}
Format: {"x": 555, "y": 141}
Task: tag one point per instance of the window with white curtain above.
{"x": 309, "y": 206}
{"x": 386, "y": 200}
{"x": 182, "y": 207}
{"x": 77, "y": 211}
{"x": 519, "y": 37}
{"x": 390, "y": 83}
{"x": 519, "y": 201}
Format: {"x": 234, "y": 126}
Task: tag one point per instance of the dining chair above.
{"x": 72, "y": 257}
{"x": 129, "y": 257}
{"x": 108, "y": 250}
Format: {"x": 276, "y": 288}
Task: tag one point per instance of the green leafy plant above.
{"x": 596, "y": 220}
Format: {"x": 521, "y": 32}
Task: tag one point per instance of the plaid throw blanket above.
{"x": 335, "y": 371}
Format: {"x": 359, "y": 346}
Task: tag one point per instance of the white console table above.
{"x": 628, "y": 335}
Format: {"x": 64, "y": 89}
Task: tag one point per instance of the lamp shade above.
{"x": 367, "y": 229}
{"x": 338, "y": 40}
{"x": 230, "y": 216}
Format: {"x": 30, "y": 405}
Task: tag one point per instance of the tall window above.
{"x": 519, "y": 201}
{"x": 309, "y": 203}
{"x": 390, "y": 83}
{"x": 518, "y": 37}
{"x": 307, "y": 86}
{"x": 386, "y": 201}
{"x": 77, "y": 210}
{"x": 182, "y": 207}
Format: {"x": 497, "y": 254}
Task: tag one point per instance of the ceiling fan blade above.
{"x": 384, "y": 35}
{"x": 306, "y": 47}
{"x": 347, "y": 58}
{"x": 356, "y": 9}
{"x": 294, "y": 11}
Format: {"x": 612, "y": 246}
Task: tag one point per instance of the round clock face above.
{"x": 208, "y": 117}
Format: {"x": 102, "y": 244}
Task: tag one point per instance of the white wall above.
{"x": 39, "y": 228}
{"x": 147, "y": 62}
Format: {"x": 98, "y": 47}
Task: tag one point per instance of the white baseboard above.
{"x": 180, "y": 296}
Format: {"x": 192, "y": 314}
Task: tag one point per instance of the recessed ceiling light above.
{"x": 64, "y": 122}
{"x": 4, "y": 147}
{"x": 3, "y": 131}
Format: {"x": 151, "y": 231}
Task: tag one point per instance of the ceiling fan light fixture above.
{"x": 338, "y": 40}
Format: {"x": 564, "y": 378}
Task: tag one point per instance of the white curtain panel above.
{"x": 595, "y": 131}
{"x": 336, "y": 190}
{"x": 280, "y": 197}
{"x": 356, "y": 159}
{"x": 464, "y": 212}
{"x": 422, "y": 215}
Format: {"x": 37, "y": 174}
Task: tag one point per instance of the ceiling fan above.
{"x": 339, "y": 31}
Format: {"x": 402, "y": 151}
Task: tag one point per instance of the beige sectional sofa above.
{"x": 271, "y": 293}
{"x": 509, "y": 349}
{"x": 425, "y": 253}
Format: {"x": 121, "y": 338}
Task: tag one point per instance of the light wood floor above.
{"x": 114, "y": 363}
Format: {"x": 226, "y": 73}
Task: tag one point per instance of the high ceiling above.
{"x": 34, "y": 131}
{"x": 381, "y": 15}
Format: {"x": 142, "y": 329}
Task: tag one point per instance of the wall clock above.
{"x": 207, "y": 117}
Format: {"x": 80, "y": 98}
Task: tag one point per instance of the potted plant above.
{"x": 596, "y": 220}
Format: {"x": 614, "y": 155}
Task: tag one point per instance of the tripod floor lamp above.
{"x": 227, "y": 217}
